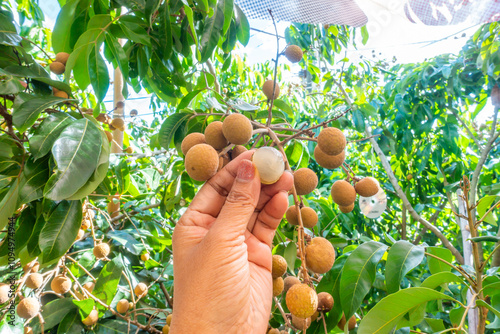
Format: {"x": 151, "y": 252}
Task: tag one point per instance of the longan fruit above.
{"x": 120, "y": 105}
{"x": 237, "y": 150}
{"x": 34, "y": 281}
{"x": 409, "y": 177}
{"x": 309, "y": 216}
{"x": 145, "y": 257}
{"x": 289, "y": 281}
{"x": 301, "y": 300}
{"x": 134, "y": 113}
{"x": 57, "y": 67}
{"x": 320, "y": 255}
{"x": 301, "y": 323}
{"x": 331, "y": 141}
{"x": 346, "y": 209}
{"x": 91, "y": 319}
{"x": 60, "y": 284}
{"x": 315, "y": 316}
{"x": 269, "y": 163}
{"x": 367, "y": 187}
{"x": 190, "y": 140}
{"x": 343, "y": 193}
{"x": 237, "y": 129}
{"x": 328, "y": 161}
{"x": 89, "y": 286}
{"x": 85, "y": 224}
{"x": 325, "y": 301}
{"x": 278, "y": 286}
{"x": 34, "y": 267}
{"x": 129, "y": 150}
{"x": 141, "y": 289}
{"x": 122, "y": 306}
{"x": 273, "y": 331}
{"x": 113, "y": 207}
{"x": 61, "y": 94}
{"x": 305, "y": 181}
{"x": 214, "y": 135}
{"x": 293, "y": 53}
{"x": 223, "y": 161}
{"x": 80, "y": 235}
{"x": 351, "y": 325}
{"x": 267, "y": 89}
{"x": 28, "y": 308}
{"x": 202, "y": 162}
{"x": 109, "y": 135}
{"x": 118, "y": 123}
{"x": 101, "y": 250}
{"x": 62, "y": 57}
{"x": 279, "y": 266}
{"x": 103, "y": 118}
{"x": 28, "y": 330}
{"x": 165, "y": 329}
{"x": 169, "y": 319}
{"x": 4, "y": 292}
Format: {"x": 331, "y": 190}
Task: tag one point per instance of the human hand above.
{"x": 222, "y": 252}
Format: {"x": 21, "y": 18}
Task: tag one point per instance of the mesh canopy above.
{"x": 306, "y": 11}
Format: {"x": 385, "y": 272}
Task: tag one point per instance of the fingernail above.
{"x": 246, "y": 171}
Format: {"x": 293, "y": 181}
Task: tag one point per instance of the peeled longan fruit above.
{"x": 367, "y": 187}
{"x": 346, "y": 209}
{"x": 269, "y": 163}
{"x": 343, "y": 193}
{"x": 237, "y": 129}
{"x": 118, "y": 123}
{"x": 28, "y": 308}
{"x": 57, "y": 67}
{"x": 4, "y": 292}
{"x": 165, "y": 329}
{"x": 34, "y": 281}
{"x": 62, "y": 57}
{"x": 60, "y": 284}
{"x": 91, "y": 319}
{"x": 169, "y": 319}
{"x": 109, "y": 135}
{"x": 61, "y": 94}
{"x": 141, "y": 289}
{"x": 309, "y": 216}
{"x": 301, "y": 323}
{"x": 328, "y": 161}
{"x": 101, "y": 250}
{"x": 320, "y": 255}
{"x": 352, "y": 323}
{"x": 305, "y": 181}
{"x": 293, "y": 53}
{"x": 237, "y": 150}
{"x": 122, "y": 306}
{"x": 331, "y": 141}
{"x": 325, "y": 301}
{"x": 301, "y": 300}
{"x": 267, "y": 89}
{"x": 190, "y": 140}
{"x": 278, "y": 286}
{"x": 273, "y": 331}
{"x": 214, "y": 135}
{"x": 202, "y": 162}
{"x": 279, "y": 266}
{"x": 289, "y": 281}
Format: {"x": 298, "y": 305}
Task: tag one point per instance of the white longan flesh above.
{"x": 270, "y": 164}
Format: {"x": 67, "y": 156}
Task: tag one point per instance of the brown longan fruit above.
{"x": 109, "y": 135}
{"x": 320, "y": 255}
{"x": 169, "y": 319}
{"x": 289, "y": 281}
{"x": 60, "y": 284}
{"x": 120, "y": 105}
{"x": 325, "y": 301}
{"x": 367, "y": 187}
{"x": 4, "y": 292}
{"x": 141, "y": 290}
{"x": 305, "y": 181}
{"x": 214, "y": 135}
{"x": 315, "y": 316}
{"x": 113, "y": 207}
{"x": 80, "y": 235}
{"x": 28, "y": 330}
{"x": 278, "y": 286}
{"x": 103, "y": 118}
{"x": 190, "y": 140}
{"x": 343, "y": 193}
{"x": 85, "y": 224}
{"x": 301, "y": 323}
{"x": 267, "y": 89}
{"x": 28, "y": 308}
{"x": 122, "y": 306}
{"x": 145, "y": 257}
{"x": 346, "y": 209}
{"x": 165, "y": 329}
{"x": 301, "y": 300}
{"x": 273, "y": 331}
{"x": 101, "y": 251}
{"x": 61, "y": 94}
{"x": 89, "y": 286}
{"x": 237, "y": 129}
{"x": 328, "y": 161}
{"x": 331, "y": 141}
{"x": 202, "y": 162}
{"x": 309, "y": 216}
{"x": 57, "y": 67}
{"x": 223, "y": 161}
{"x": 62, "y": 57}
{"x": 352, "y": 323}
{"x": 129, "y": 150}
{"x": 118, "y": 123}
{"x": 91, "y": 319}
{"x": 33, "y": 265}
{"x": 293, "y": 53}
{"x": 279, "y": 266}
{"x": 134, "y": 113}
{"x": 237, "y": 150}
{"x": 409, "y": 177}
{"x": 34, "y": 281}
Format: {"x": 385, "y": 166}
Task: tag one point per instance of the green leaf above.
{"x": 290, "y": 255}
{"x": 212, "y": 31}
{"x": 46, "y": 134}
{"x": 186, "y": 100}
{"x": 76, "y": 153}
{"x": 358, "y": 275}
{"x": 364, "y": 34}
{"x": 71, "y": 323}
{"x": 359, "y": 121}
{"x": 132, "y": 28}
{"x": 169, "y": 126}
{"x": 403, "y": 256}
{"x": 189, "y": 15}
{"x": 9, "y": 84}
{"x": 61, "y": 35}
{"x": 166, "y": 31}
{"x": 243, "y": 26}
{"x": 436, "y": 266}
{"x": 492, "y": 289}
{"x": 107, "y": 282}
{"x": 122, "y": 173}
{"x": 26, "y": 221}
{"x": 438, "y": 279}
{"x": 488, "y": 306}
{"x": 33, "y": 248}
{"x": 26, "y": 113}
{"x": 489, "y": 238}
{"x": 483, "y": 206}
{"x": 60, "y": 233}
{"x": 8, "y": 32}
{"x": 118, "y": 53}
{"x": 228, "y": 14}
{"x": 52, "y": 313}
{"x": 8, "y": 204}
{"x": 35, "y": 175}
{"x": 99, "y": 74}
{"x": 85, "y": 306}
{"x": 115, "y": 327}
{"x": 382, "y": 318}
{"x": 282, "y": 105}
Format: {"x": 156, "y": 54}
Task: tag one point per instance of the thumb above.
{"x": 240, "y": 202}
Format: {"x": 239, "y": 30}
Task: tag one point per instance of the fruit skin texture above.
{"x": 91, "y": 319}
{"x": 331, "y": 141}
{"x": 89, "y": 286}
{"x": 169, "y": 319}
{"x": 237, "y": 150}
{"x": 267, "y": 89}
{"x": 279, "y": 266}
{"x": 293, "y": 53}
{"x": 28, "y": 308}
{"x": 320, "y": 255}
{"x": 4, "y": 293}
{"x": 305, "y": 181}
{"x": 34, "y": 268}
{"x": 325, "y": 301}
{"x": 129, "y": 150}
{"x": 190, "y": 140}
{"x": 141, "y": 289}
{"x": 145, "y": 257}
{"x": 118, "y": 123}
{"x": 202, "y": 162}
{"x": 301, "y": 300}
{"x": 214, "y": 135}
{"x": 57, "y": 67}
{"x": 101, "y": 251}
{"x": 237, "y": 129}
{"x": 62, "y": 57}
{"x": 289, "y": 281}
{"x": 113, "y": 208}
{"x": 328, "y": 161}
{"x": 273, "y": 331}
{"x": 61, "y": 94}
{"x": 343, "y": 193}
{"x": 367, "y": 187}
{"x": 122, "y": 306}
{"x": 60, "y": 284}
{"x": 352, "y": 323}
{"x": 34, "y": 281}
{"x": 309, "y": 216}
{"x": 165, "y": 329}
{"x": 301, "y": 323}
{"x": 346, "y": 209}
{"x": 278, "y": 286}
